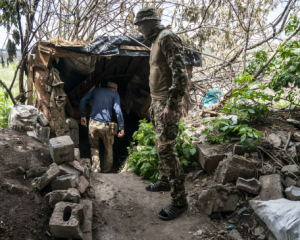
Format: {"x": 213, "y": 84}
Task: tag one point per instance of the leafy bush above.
{"x": 142, "y": 158}
{"x": 5, "y": 108}
{"x": 222, "y": 130}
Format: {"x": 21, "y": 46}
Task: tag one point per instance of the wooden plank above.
{"x": 30, "y": 79}
{"x": 42, "y": 57}
{"x": 60, "y": 53}
{"x": 133, "y": 48}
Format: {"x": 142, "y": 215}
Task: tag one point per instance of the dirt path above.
{"x": 125, "y": 210}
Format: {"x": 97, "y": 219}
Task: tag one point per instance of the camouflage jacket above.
{"x": 171, "y": 47}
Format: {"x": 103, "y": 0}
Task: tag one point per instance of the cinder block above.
{"x": 210, "y": 156}
{"x": 70, "y": 195}
{"x": 62, "y": 149}
{"x": 51, "y": 173}
{"x": 65, "y": 182}
{"x": 249, "y": 185}
{"x": 230, "y": 169}
{"x": 86, "y": 225}
{"x": 65, "y": 220}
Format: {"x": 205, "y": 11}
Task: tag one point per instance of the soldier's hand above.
{"x": 83, "y": 121}
{"x": 121, "y": 133}
{"x": 167, "y": 115}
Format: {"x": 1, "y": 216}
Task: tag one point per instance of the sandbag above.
{"x": 281, "y": 216}
{"x": 23, "y": 117}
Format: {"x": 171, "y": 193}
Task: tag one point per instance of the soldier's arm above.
{"x": 172, "y": 49}
{"x": 117, "y": 107}
{"x": 84, "y": 101}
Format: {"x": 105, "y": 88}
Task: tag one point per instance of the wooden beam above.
{"x": 134, "y": 48}
{"x": 60, "y": 52}
{"x": 30, "y": 79}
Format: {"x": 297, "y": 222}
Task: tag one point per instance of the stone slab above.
{"x": 61, "y": 149}
{"x": 291, "y": 170}
{"x": 76, "y": 154}
{"x": 36, "y": 171}
{"x": 66, "y": 168}
{"x": 271, "y": 187}
{"x": 42, "y": 120}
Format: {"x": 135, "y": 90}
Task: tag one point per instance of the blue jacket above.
{"x": 104, "y": 100}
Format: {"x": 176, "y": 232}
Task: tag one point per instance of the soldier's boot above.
{"x": 95, "y": 160}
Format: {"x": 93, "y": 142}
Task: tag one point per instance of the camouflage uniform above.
{"x": 101, "y": 130}
{"x": 170, "y": 169}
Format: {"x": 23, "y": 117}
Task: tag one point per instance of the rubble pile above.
{"x": 234, "y": 177}
{"x": 72, "y": 216}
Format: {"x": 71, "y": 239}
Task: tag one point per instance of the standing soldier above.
{"x": 168, "y": 80}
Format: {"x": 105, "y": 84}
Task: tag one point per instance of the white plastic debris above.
{"x": 234, "y": 118}
{"x": 281, "y": 216}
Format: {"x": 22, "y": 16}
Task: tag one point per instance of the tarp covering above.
{"x": 110, "y": 46}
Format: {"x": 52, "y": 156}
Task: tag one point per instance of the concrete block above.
{"x": 36, "y": 171}
{"x": 42, "y": 133}
{"x": 235, "y": 235}
{"x": 65, "y": 168}
{"x": 289, "y": 181}
{"x": 210, "y": 156}
{"x": 42, "y": 120}
{"x": 249, "y": 185}
{"x": 291, "y": 170}
{"x": 218, "y": 198}
{"x": 86, "y": 225}
{"x": 230, "y": 169}
{"x": 70, "y": 195}
{"x": 51, "y": 173}
{"x": 65, "y": 182}
{"x": 62, "y": 149}
{"x": 292, "y": 193}
{"x": 76, "y": 154}
{"x": 83, "y": 184}
{"x": 65, "y": 220}
{"x": 271, "y": 187}
{"x": 16, "y": 189}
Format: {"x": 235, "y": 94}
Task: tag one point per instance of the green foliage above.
{"x": 2, "y": 62}
{"x": 142, "y": 158}
{"x": 5, "y": 108}
{"x": 222, "y": 130}
{"x": 16, "y": 36}
{"x": 11, "y": 50}
{"x": 292, "y": 24}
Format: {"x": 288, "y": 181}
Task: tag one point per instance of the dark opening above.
{"x": 67, "y": 213}
{"x": 131, "y": 74}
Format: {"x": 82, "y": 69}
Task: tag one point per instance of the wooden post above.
{"x": 30, "y": 80}
{"x": 186, "y": 98}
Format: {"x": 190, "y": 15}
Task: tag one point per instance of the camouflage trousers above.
{"x": 99, "y": 130}
{"x": 170, "y": 170}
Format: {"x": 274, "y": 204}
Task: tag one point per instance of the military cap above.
{"x": 146, "y": 14}
{"x": 112, "y": 85}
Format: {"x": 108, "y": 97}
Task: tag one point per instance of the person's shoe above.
{"x": 170, "y": 212}
{"x": 158, "y": 187}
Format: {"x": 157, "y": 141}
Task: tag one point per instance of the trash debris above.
{"x": 281, "y": 216}
{"x": 231, "y": 227}
{"x": 213, "y": 97}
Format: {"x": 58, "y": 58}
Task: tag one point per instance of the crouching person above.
{"x": 100, "y": 125}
